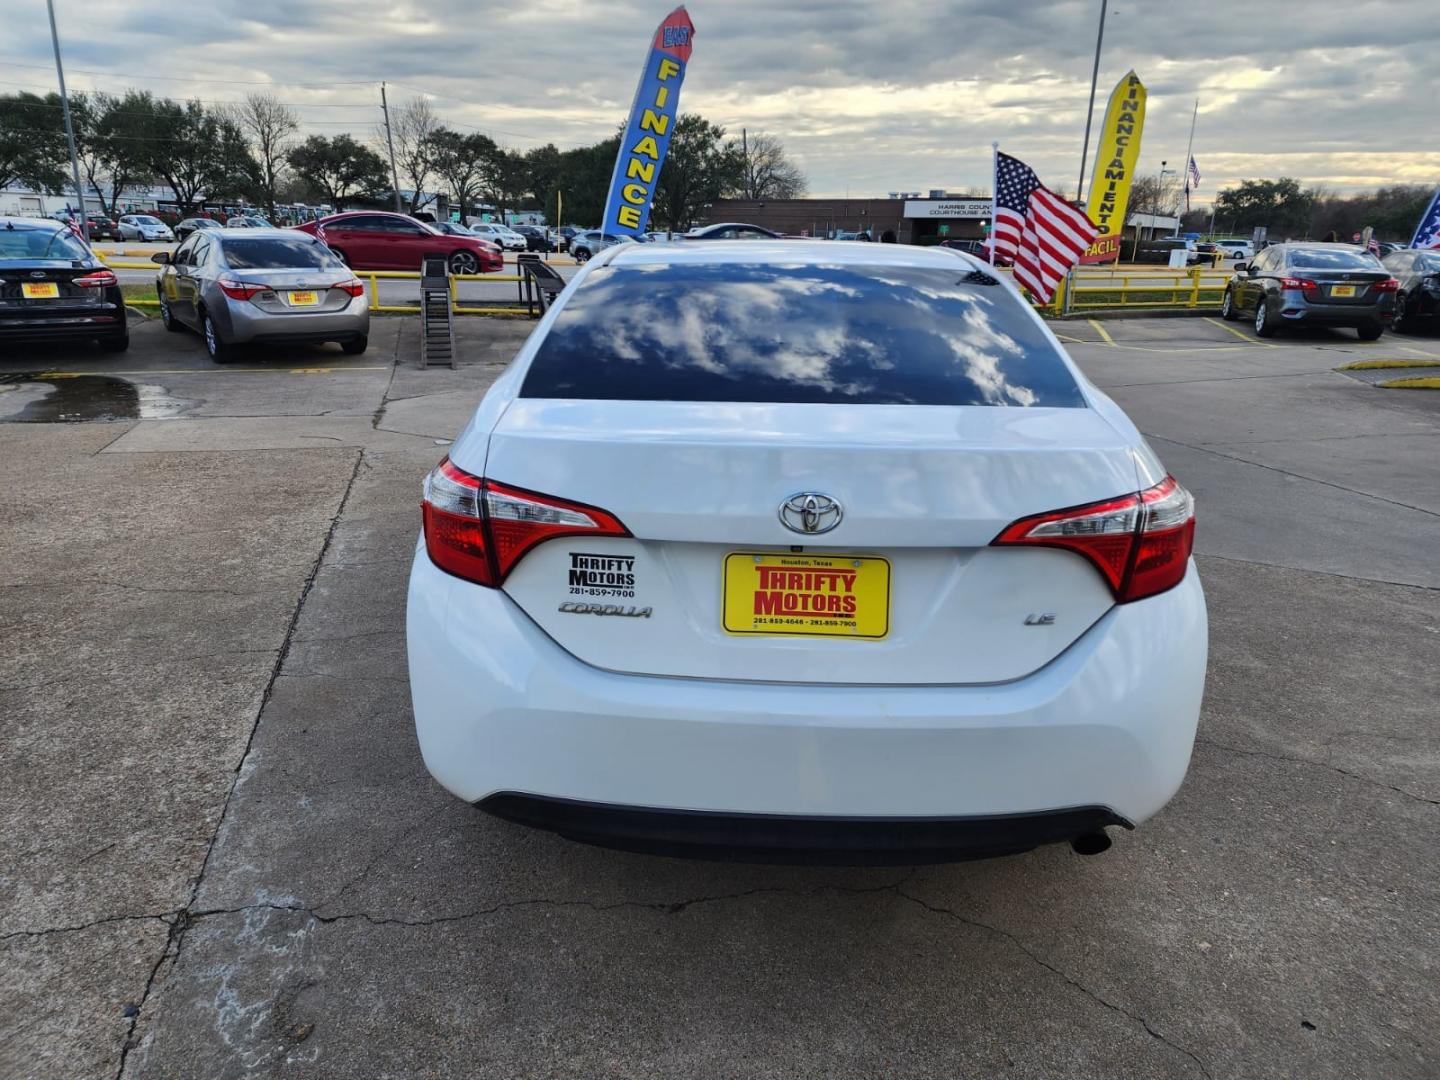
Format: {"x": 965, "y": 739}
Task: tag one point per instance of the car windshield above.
{"x": 1332, "y": 259}
{"x": 144, "y": 219}
{"x": 278, "y": 253}
{"x": 20, "y": 245}
{"x": 807, "y": 334}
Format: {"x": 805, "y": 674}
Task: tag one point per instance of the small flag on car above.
{"x": 1040, "y": 231}
{"x": 1427, "y": 233}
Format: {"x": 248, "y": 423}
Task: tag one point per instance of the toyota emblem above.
{"x": 810, "y": 512}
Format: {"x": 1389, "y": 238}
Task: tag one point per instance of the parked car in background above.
{"x": 1313, "y": 284}
{"x": 979, "y": 248}
{"x": 586, "y": 245}
{"x": 1235, "y": 247}
{"x": 659, "y": 237}
{"x": 376, "y": 240}
{"x": 1417, "y": 296}
{"x": 451, "y": 228}
{"x": 536, "y": 238}
{"x": 730, "y": 230}
{"x": 501, "y": 236}
{"x": 53, "y": 287}
{"x": 564, "y": 234}
{"x": 958, "y": 617}
{"x": 1387, "y": 247}
{"x": 261, "y": 285}
{"x": 247, "y": 221}
{"x": 103, "y": 227}
{"x": 146, "y": 228}
{"x": 1158, "y": 251}
{"x": 194, "y": 224}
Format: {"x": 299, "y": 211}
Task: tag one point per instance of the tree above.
{"x": 271, "y": 126}
{"x": 111, "y": 137}
{"x": 414, "y": 126}
{"x": 198, "y": 152}
{"x": 32, "y": 142}
{"x": 765, "y": 171}
{"x": 1279, "y": 205}
{"x": 339, "y": 168}
{"x": 542, "y": 174}
{"x": 583, "y": 179}
{"x": 699, "y": 168}
{"x": 460, "y": 162}
{"x": 504, "y": 178}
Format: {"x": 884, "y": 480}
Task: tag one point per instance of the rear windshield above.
{"x": 821, "y": 334}
{"x": 1333, "y": 259}
{"x": 43, "y": 243}
{"x": 278, "y": 253}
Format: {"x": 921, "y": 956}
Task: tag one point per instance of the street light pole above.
{"x": 1090, "y": 112}
{"x": 1155, "y": 203}
{"x": 69, "y": 127}
{"x": 394, "y": 176}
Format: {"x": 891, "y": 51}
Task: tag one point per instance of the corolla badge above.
{"x": 810, "y": 512}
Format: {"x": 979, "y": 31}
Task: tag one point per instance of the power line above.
{"x": 182, "y": 78}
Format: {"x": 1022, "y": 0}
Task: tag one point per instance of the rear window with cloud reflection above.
{"x": 877, "y": 335}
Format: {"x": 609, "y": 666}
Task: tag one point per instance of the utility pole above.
{"x": 745, "y": 150}
{"x": 1089, "y": 113}
{"x": 389, "y": 142}
{"x": 69, "y": 127}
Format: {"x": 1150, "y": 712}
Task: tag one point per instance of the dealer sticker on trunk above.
{"x": 826, "y": 595}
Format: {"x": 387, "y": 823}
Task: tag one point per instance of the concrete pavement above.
{"x": 224, "y": 856}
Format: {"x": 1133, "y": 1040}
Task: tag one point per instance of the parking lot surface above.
{"x": 221, "y": 855}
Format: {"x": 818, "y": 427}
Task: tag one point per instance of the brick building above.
{"x": 910, "y": 221}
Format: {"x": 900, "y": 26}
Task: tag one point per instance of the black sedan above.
{"x": 52, "y": 287}
{"x": 1314, "y": 285}
{"x": 194, "y": 224}
{"x": 535, "y": 238}
{"x": 1417, "y": 298}
{"x": 730, "y": 230}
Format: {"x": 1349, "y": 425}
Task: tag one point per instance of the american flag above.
{"x": 1042, "y": 232}
{"x": 1194, "y": 175}
{"x": 1427, "y": 233}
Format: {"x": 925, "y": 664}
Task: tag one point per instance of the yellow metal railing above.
{"x": 1095, "y": 290}
{"x": 372, "y": 277}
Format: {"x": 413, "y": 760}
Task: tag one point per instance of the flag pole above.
{"x": 1090, "y": 113}
{"x": 1189, "y": 150}
{"x": 994, "y": 194}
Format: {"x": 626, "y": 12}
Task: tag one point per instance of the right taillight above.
{"x": 478, "y": 529}
{"x": 1140, "y": 543}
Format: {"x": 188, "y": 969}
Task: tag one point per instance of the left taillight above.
{"x": 478, "y": 529}
{"x": 241, "y": 290}
{"x": 1140, "y": 543}
{"x": 100, "y": 279}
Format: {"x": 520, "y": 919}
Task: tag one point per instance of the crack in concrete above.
{"x": 1294, "y": 475}
{"x": 162, "y": 916}
{"x": 1048, "y": 966}
{"x": 1202, "y": 740}
{"x": 71, "y": 582}
{"x": 184, "y": 918}
{"x": 1323, "y": 573}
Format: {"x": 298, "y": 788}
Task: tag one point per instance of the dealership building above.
{"x": 911, "y": 220}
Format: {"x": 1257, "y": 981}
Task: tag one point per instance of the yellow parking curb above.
{"x": 1370, "y": 365}
{"x": 1422, "y": 382}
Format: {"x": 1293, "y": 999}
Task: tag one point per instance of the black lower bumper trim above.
{"x": 788, "y": 838}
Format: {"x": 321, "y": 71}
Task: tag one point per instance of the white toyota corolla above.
{"x": 764, "y": 549}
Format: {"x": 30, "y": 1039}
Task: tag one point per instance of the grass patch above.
{"x": 1420, "y": 382}
{"x": 136, "y": 290}
{"x": 1380, "y": 365}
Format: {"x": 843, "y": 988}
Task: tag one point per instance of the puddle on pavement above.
{"x": 78, "y": 399}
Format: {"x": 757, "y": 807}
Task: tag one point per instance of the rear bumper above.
{"x": 789, "y": 838}
{"x": 100, "y": 320}
{"x": 247, "y": 324}
{"x": 1294, "y": 309}
{"x": 500, "y": 708}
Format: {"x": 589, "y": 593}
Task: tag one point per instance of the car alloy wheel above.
{"x": 1263, "y": 326}
{"x": 218, "y": 350}
{"x": 1399, "y": 323}
{"x": 464, "y": 262}
{"x": 1227, "y": 306}
{"x": 167, "y": 318}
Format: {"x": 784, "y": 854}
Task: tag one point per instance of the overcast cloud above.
{"x": 868, "y": 97}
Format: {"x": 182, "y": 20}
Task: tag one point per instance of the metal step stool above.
{"x": 437, "y": 319}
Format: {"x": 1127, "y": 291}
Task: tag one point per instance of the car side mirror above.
{"x": 1242, "y": 268}
{"x": 160, "y": 257}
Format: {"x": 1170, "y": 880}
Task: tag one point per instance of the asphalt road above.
{"x": 220, "y": 854}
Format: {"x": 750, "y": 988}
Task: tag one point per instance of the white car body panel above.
{"x": 962, "y": 709}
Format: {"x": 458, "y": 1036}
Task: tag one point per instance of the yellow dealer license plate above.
{"x": 1342, "y": 290}
{"x": 826, "y": 595}
{"x": 303, "y": 299}
{"x": 44, "y": 290}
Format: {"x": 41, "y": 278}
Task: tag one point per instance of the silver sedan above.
{"x": 261, "y": 285}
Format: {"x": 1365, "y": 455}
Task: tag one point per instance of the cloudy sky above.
{"x": 869, "y": 97}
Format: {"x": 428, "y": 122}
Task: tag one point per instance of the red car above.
{"x": 374, "y": 240}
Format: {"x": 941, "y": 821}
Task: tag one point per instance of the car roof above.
{"x": 790, "y": 252}
{"x": 265, "y": 233}
{"x": 32, "y": 222}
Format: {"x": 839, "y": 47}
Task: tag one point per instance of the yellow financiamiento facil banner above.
{"x": 1115, "y": 161}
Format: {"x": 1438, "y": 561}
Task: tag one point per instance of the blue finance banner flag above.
{"x": 652, "y": 122}
{"x": 1427, "y": 233}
